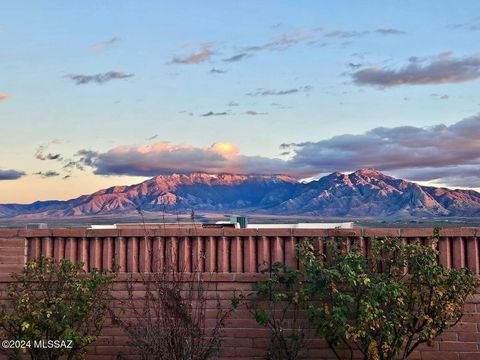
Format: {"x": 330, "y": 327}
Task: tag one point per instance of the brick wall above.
{"x": 232, "y": 259}
{"x": 13, "y": 252}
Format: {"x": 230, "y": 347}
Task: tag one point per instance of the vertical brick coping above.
{"x": 210, "y": 250}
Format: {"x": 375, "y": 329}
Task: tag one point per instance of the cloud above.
{"x": 452, "y": 176}
{"x": 233, "y": 103}
{"x": 280, "y": 106}
{"x": 152, "y": 137}
{"x": 189, "y": 113}
{"x": 82, "y": 158}
{"x": 280, "y": 43}
{"x": 354, "y": 66}
{"x": 306, "y": 36}
{"x": 445, "y": 154}
{"x": 346, "y": 34}
{"x": 41, "y": 154}
{"x": 340, "y": 34}
{"x": 472, "y": 25}
{"x": 389, "y": 31}
{"x": 166, "y": 158}
{"x": 48, "y": 156}
{"x": 262, "y": 92}
{"x": 439, "y": 96}
{"x": 47, "y": 174}
{"x": 201, "y": 56}
{"x": 226, "y": 149}
{"x": 99, "y": 78}
{"x": 440, "y": 69}
{"x": 255, "y": 113}
{"x": 4, "y": 96}
{"x": 218, "y": 71}
{"x": 103, "y": 45}
{"x": 270, "y": 92}
{"x": 72, "y": 164}
{"x": 237, "y": 57}
{"x": 11, "y": 174}
{"x": 403, "y": 149}
{"x": 86, "y": 157}
{"x": 211, "y": 113}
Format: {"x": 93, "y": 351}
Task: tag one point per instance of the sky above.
{"x": 96, "y": 94}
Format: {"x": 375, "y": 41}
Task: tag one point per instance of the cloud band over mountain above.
{"x": 442, "y": 153}
{"x": 166, "y": 158}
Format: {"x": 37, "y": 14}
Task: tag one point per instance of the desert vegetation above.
{"x": 54, "y": 300}
{"x": 381, "y": 306}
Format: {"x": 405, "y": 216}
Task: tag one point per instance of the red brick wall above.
{"x": 13, "y": 252}
{"x": 232, "y": 259}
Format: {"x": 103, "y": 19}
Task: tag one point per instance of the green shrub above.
{"x": 54, "y": 300}
{"x": 370, "y": 304}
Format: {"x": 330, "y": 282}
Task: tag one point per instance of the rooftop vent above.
{"x": 241, "y": 220}
{"x": 36, "y": 226}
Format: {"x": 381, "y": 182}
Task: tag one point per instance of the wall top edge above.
{"x": 140, "y": 232}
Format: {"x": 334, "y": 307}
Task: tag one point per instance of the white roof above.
{"x": 343, "y": 225}
{"x": 101, "y": 227}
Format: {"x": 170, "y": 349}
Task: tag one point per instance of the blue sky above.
{"x": 116, "y": 92}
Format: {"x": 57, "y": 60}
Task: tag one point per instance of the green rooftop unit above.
{"x": 241, "y": 220}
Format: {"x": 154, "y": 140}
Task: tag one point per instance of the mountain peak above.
{"x": 333, "y": 176}
{"x": 217, "y": 179}
{"x": 370, "y": 172}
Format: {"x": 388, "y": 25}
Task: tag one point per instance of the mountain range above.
{"x": 363, "y": 193}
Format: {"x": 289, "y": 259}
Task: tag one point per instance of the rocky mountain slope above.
{"x": 364, "y": 193}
